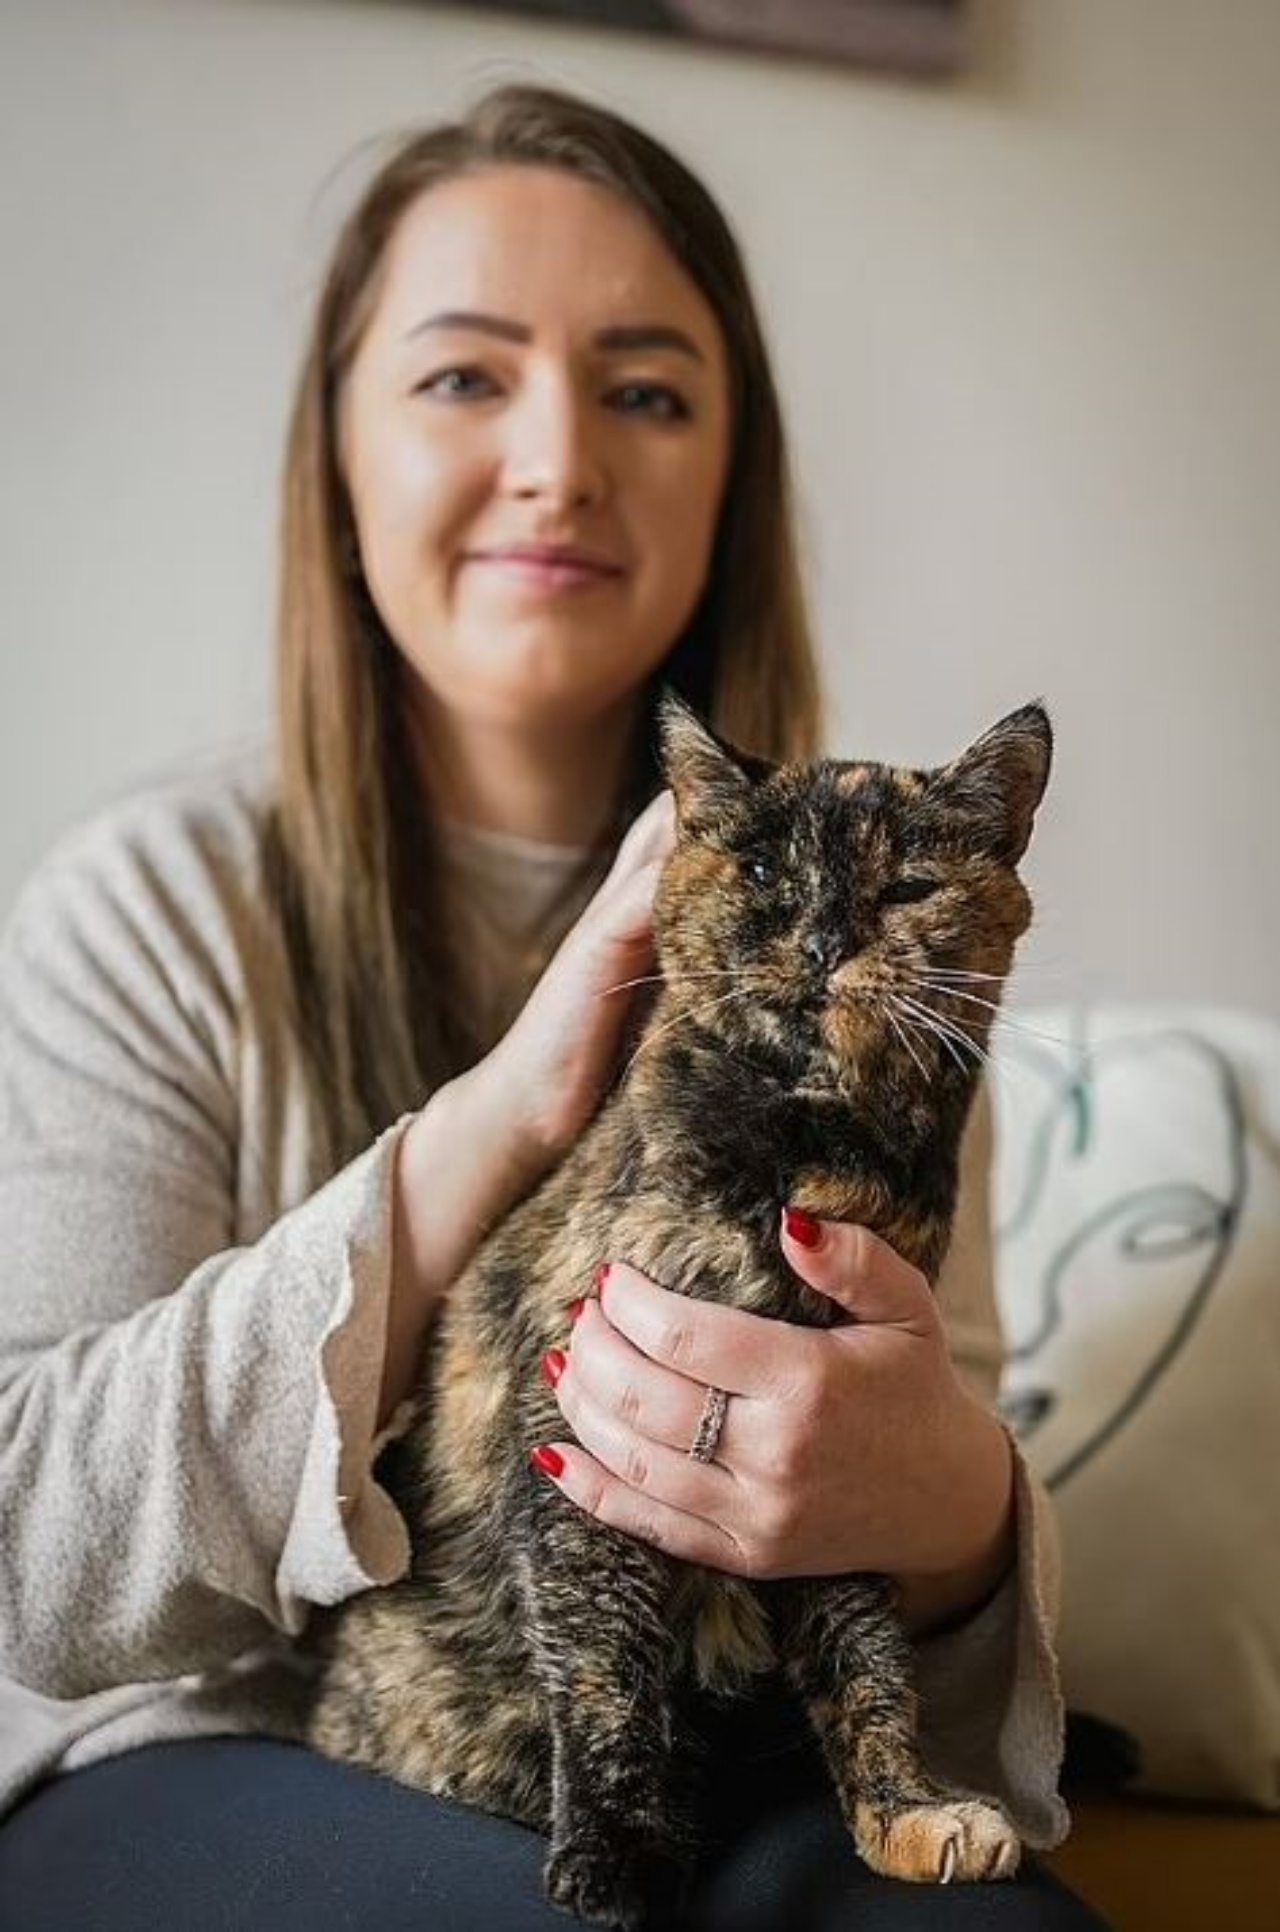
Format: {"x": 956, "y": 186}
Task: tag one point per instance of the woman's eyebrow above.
{"x": 472, "y": 319}
{"x": 621, "y": 336}
{"x": 649, "y": 335}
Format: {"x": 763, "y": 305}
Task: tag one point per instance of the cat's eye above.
{"x": 761, "y": 872}
{"x": 909, "y": 891}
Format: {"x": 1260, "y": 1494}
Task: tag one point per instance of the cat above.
{"x": 535, "y": 1662}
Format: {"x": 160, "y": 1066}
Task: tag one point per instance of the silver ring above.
{"x": 707, "y": 1440}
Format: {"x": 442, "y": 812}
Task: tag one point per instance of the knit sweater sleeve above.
{"x": 186, "y": 1424}
{"x": 991, "y": 1706}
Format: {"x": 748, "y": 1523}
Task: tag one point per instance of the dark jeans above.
{"x": 251, "y": 1835}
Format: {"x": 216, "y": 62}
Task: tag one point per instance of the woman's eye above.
{"x": 650, "y": 399}
{"x": 458, "y": 385}
{"x": 908, "y": 891}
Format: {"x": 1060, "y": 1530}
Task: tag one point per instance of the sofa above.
{"x": 1173, "y": 1866}
{"x": 1138, "y": 1242}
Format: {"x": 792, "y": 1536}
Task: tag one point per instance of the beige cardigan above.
{"x": 192, "y": 1321}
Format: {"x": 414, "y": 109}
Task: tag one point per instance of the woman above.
{"x": 280, "y": 1046}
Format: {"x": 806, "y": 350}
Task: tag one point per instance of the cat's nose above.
{"x": 825, "y": 950}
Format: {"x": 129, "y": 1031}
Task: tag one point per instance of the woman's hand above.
{"x": 485, "y": 1138}
{"x": 551, "y": 1068}
{"x": 849, "y": 1448}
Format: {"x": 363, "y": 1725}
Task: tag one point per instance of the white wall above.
{"x": 1028, "y": 327}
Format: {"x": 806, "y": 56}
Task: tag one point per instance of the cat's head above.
{"x": 819, "y": 911}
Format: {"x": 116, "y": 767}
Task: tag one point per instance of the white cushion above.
{"x": 1138, "y": 1206}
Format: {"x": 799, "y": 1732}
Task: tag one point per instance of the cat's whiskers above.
{"x": 958, "y": 972}
{"x": 689, "y": 1013}
{"x": 998, "y": 1015}
{"x": 894, "y": 1023}
{"x": 1006, "y": 1067}
{"x": 662, "y": 979}
{"x": 921, "y": 989}
{"x": 954, "y": 992}
{"x": 949, "y": 1032}
{"x": 952, "y": 1038}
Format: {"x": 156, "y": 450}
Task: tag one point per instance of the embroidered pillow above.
{"x": 1138, "y": 1215}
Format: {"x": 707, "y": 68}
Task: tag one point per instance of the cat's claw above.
{"x": 1004, "y": 1860}
{"x": 938, "y": 1843}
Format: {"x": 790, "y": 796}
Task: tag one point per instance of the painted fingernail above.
{"x": 554, "y": 1364}
{"x": 576, "y": 1308}
{"x": 601, "y": 1276}
{"x": 548, "y": 1460}
{"x": 802, "y": 1227}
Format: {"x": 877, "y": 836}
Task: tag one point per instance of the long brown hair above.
{"x": 350, "y": 845}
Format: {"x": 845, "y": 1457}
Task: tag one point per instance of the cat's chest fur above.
{"x": 718, "y": 1623}
{"x": 722, "y": 1628}
{"x": 684, "y": 1179}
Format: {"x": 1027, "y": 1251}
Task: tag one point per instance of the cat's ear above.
{"x": 707, "y": 776}
{"x": 997, "y": 784}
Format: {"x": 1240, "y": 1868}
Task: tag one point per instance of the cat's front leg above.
{"x": 598, "y": 1604}
{"x": 847, "y": 1655}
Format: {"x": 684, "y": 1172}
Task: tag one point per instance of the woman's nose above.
{"x": 555, "y": 452}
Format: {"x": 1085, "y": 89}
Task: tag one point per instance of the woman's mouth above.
{"x": 547, "y": 571}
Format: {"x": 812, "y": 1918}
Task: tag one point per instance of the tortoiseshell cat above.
{"x": 537, "y": 1663}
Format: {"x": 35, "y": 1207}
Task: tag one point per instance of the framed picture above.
{"x": 920, "y": 36}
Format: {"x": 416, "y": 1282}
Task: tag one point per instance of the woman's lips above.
{"x": 547, "y": 572}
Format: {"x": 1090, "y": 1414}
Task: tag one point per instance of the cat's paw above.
{"x": 935, "y": 1843}
{"x": 596, "y": 1882}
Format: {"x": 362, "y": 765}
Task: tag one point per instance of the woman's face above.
{"x": 535, "y": 436}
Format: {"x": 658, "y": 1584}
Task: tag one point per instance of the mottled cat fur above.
{"x": 536, "y": 1663}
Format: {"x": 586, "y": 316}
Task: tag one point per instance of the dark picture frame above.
{"x": 910, "y": 36}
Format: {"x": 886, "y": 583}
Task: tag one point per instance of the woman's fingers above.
{"x": 650, "y": 836}
{"x": 626, "y": 1495}
{"x": 620, "y": 923}
{"x": 806, "y": 1407}
{"x": 647, "y": 1401}
{"x": 869, "y": 1279}
{"x": 708, "y": 1343}
{"x": 612, "y": 942}
{"x": 622, "y": 911}
{"x": 560, "y": 1053}
{"x": 650, "y": 1467}
{"x": 625, "y": 1474}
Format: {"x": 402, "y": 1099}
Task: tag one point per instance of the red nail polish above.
{"x": 576, "y": 1308}
{"x": 802, "y": 1227}
{"x": 546, "y": 1459}
{"x": 554, "y": 1364}
{"x": 602, "y": 1275}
